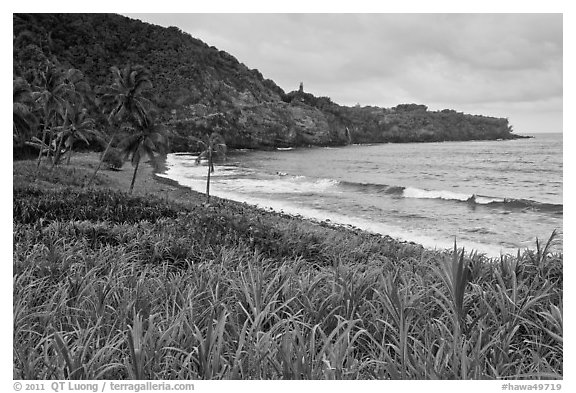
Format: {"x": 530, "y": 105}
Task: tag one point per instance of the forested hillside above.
{"x": 198, "y": 89}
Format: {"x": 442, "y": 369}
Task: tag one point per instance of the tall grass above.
{"x": 110, "y": 286}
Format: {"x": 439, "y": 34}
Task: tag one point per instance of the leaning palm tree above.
{"x": 213, "y": 145}
{"x": 144, "y": 140}
{"x": 125, "y": 103}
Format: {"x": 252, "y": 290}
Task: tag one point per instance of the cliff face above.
{"x": 417, "y": 124}
{"x": 199, "y": 89}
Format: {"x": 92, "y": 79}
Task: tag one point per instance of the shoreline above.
{"x": 179, "y": 190}
{"x": 159, "y": 167}
{"x": 336, "y": 221}
{"x": 150, "y": 180}
{"x": 329, "y": 146}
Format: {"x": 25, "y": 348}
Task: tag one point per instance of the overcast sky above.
{"x": 504, "y": 65}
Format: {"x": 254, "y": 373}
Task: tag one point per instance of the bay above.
{"x": 491, "y": 196}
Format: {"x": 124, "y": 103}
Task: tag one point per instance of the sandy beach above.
{"x": 146, "y": 181}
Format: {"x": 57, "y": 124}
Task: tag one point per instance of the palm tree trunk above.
{"x": 208, "y": 179}
{"x": 45, "y": 129}
{"x": 100, "y": 163}
{"x": 134, "y": 176}
{"x": 50, "y": 144}
{"x": 57, "y": 153}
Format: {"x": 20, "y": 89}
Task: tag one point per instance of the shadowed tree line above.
{"x": 57, "y": 110}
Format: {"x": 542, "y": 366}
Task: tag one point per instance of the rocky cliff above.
{"x": 199, "y": 89}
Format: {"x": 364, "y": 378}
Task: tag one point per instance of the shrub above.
{"x": 31, "y": 204}
{"x": 114, "y": 159}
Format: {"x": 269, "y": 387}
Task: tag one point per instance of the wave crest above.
{"x": 410, "y": 192}
{"x": 474, "y": 199}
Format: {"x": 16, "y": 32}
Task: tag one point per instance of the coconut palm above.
{"x": 58, "y": 88}
{"x": 144, "y": 140}
{"x": 78, "y": 126}
{"x": 77, "y": 92}
{"x": 124, "y": 102}
{"x": 51, "y": 98}
{"x": 213, "y": 145}
{"x": 24, "y": 121}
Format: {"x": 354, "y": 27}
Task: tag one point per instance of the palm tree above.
{"x": 51, "y": 100}
{"x": 77, "y": 91}
{"x": 124, "y": 102}
{"x": 77, "y": 127}
{"x": 58, "y": 87}
{"x": 213, "y": 145}
{"x": 145, "y": 140}
{"x": 23, "y": 120}
{"x": 124, "y": 99}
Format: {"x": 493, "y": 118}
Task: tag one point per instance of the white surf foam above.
{"x": 243, "y": 189}
{"x": 486, "y": 200}
{"x": 240, "y": 180}
{"x": 410, "y": 192}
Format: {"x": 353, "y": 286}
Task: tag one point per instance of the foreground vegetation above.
{"x": 113, "y": 286}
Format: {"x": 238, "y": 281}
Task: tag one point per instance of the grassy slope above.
{"x": 158, "y": 286}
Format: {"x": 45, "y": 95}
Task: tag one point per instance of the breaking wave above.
{"x": 475, "y": 199}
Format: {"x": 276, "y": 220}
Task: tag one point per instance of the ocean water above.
{"x": 491, "y": 196}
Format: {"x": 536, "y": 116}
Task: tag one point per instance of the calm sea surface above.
{"x": 494, "y": 196}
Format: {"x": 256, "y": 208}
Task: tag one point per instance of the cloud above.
{"x": 455, "y": 60}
